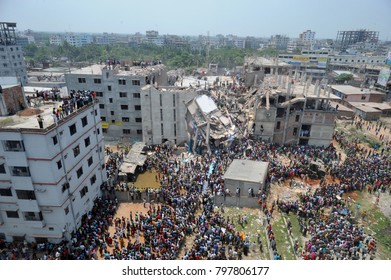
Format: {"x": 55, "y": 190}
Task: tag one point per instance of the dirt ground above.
{"x": 124, "y": 211}
{"x": 29, "y": 112}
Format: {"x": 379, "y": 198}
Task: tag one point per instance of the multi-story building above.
{"x": 50, "y": 175}
{"x": 311, "y": 62}
{"x": 255, "y": 69}
{"x": 78, "y": 40}
{"x": 279, "y": 42}
{"x": 307, "y": 36}
{"x": 11, "y": 55}
{"x": 349, "y": 94}
{"x": 347, "y": 38}
{"x": 118, "y": 89}
{"x": 295, "y": 113}
{"x": 163, "y": 114}
{"x": 56, "y": 40}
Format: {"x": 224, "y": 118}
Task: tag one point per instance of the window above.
{"x": 175, "y": 129}
{"x": 109, "y": 88}
{"x": 33, "y": 216}
{"x": 103, "y": 119}
{"x": 161, "y": 100}
{"x": 82, "y": 80}
{"x": 72, "y": 129}
{"x": 13, "y": 146}
{"x": 363, "y": 97}
{"x": 20, "y": 171}
{"x": 161, "y": 128}
{"x": 28, "y": 195}
{"x": 137, "y": 107}
{"x": 55, "y": 141}
{"x": 173, "y": 100}
{"x": 87, "y": 141}
{"x": 112, "y": 113}
{"x": 98, "y": 131}
{"x": 297, "y": 118}
{"x": 76, "y": 151}
{"x": 90, "y": 161}
{"x": 2, "y": 168}
{"x": 83, "y": 191}
{"x": 84, "y": 121}
{"x": 122, "y": 82}
{"x": 161, "y": 114}
{"x": 79, "y": 172}
{"x": 111, "y": 100}
{"x": 125, "y": 119}
{"x": 97, "y": 81}
{"x": 123, "y": 94}
{"x": 101, "y": 106}
{"x": 174, "y": 114}
{"x": 99, "y": 94}
{"x": 59, "y": 164}
{"x": 12, "y": 214}
{"x": 64, "y": 187}
{"x": 124, "y": 107}
{"x": 135, "y": 82}
{"x": 136, "y": 95}
{"x": 138, "y": 120}
{"x": 5, "y": 192}
{"x": 93, "y": 179}
{"x": 295, "y": 131}
{"x": 104, "y": 130}
{"x": 66, "y": 210}
{"x": 112, "y": 121}
{"x": 139, "y": 131}
{"x": 126, "y": 131}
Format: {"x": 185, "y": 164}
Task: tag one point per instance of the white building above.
{"x": 50, "y": 176}
{"x": 118, "y": 90}
{"x": 307, "y": 36}
{"x": 163, "y": 113}
{"x": 55, "y": 40}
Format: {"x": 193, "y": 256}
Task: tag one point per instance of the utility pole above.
{"x": 207, "y": 51}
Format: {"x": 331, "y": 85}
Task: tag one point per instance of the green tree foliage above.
{"x": 173, "y": 57}
{"x": 344, "y": 77}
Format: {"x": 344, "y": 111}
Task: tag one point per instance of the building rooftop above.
{"x": 364, "y": 107}
{"x": 350, "y": 90}
{"x": 373, "y": 105}
{"x": 262, "y": 61}
{"x": 97, "y": 69}
{"x": 247, "y": 170}
{"x": 27, "y": 119}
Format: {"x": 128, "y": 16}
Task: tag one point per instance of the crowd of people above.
{"x": 188, "y": 185}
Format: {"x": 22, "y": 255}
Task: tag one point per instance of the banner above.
{"x": 384, "y": 75}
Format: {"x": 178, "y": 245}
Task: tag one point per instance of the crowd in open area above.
{"x": 189, "y": 182}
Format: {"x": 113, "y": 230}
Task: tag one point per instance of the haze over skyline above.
{"x": 243, "y": 18}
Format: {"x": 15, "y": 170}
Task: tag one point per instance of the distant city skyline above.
{"x": 245, "y": 18}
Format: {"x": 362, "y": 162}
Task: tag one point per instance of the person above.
{"x": 40, "y": 121}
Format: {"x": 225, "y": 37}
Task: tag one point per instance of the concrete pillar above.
{"x": 289, "y": 88}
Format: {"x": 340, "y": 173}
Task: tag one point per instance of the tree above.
{"x": 344, "y": 77}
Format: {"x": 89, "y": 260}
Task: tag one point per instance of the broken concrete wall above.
{"x": 14, "y": 100}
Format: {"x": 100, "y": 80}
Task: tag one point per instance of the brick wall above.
{"x": 14, "y": 99}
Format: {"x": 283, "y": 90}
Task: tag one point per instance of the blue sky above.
{"x": 260, "y": 18}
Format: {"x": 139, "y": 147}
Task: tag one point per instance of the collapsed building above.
{"x": 207, "y": 126}
{"x": 256, "y": 68}
{"x": 291, "y": 110}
